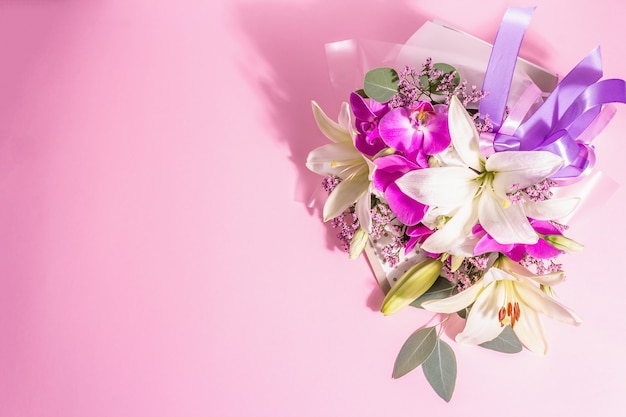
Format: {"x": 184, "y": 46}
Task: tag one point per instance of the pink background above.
{"x": 156, "y": 257}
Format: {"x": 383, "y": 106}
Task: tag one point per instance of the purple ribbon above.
{"x": 501, "y": 66}
{"x": 562, "y": 124}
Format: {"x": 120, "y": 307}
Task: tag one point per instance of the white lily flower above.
{"x": 477, "y": 191}
{"x": 342, "y": 159}
{"x": 507, "y": 295}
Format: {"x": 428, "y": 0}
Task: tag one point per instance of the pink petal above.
{"x": 408, "y": 211}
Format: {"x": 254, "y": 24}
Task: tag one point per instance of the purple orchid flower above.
{"x": 419, "y": 129}
{"x": 516, "y": 251}
{"x": 388, "y": 170}
{"x": 367, "y": 115}
{"x": 417, "y": 234}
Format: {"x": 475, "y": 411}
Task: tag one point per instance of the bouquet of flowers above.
{"x": 452, "y": 192}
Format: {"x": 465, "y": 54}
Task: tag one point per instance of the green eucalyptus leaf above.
{"x": 425, "y": 82}
{"x": 432, "y": 85}
{"x": 417, "y": 348}
{"x": 381, "y": 84}
{"x": 447, "y": 69}
{"x": 442, "y": 288}
{"x": 440, "y": 370}
{"x": 506, "y": 342}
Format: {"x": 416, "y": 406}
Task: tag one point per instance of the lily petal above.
{"x": 454, "y": 233}
{"x": 344, "y": 195}
{"x": 551, "y": 209}
{"x": 328, "y": 127}
{"x": 529, "y": 330}
{"x": 328, "y": 159}
{"x": 506, "y": 225}
{"x": 551, "y": 279}
{"x": 523, "y": 168}
{"x": 362, "y": 211}
{"x": 371, "y": 166}
{"x": 445, "y": 186}
{"x": 538, "y": 301}
{"x": 464, "y": 135}
{"x": 495, "y": 274}
{"x": 345, "y": 118}
{"x": 482, "y": 322}
{"x": 522, "y": 273}
{"x": 455, "y": 303}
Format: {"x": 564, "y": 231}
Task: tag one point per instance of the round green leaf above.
{"x": 432, "y": 85}
{"x": 448, "y": 69}
{"x": 381, "y": 84}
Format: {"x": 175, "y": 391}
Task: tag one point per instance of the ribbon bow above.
{"x": 566, "y": 122}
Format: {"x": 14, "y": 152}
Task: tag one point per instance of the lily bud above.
{"x": 456, "y": 263}
{"x": 358, "y": 242}
{"x": 563, "y": 243}
{"x": 415, "y": 282}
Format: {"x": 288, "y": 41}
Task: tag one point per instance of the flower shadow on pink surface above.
{"x": 291, "y": 38}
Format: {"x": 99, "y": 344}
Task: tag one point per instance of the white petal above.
{"x": 334, "y": 159}
{"x": 482, "y": 322}
{"x": 506, "y": 225}
{"x": 542, "y": 303}
{"x": 345, "y": 117}
{"x": 464, "y": 135}
{"x": 447, "y": 186}
{"x": 344, "y": 195}
{"x": 551, "y": 279}
{"x": 465, "y": 248}
{"x": 529, "y": 330}
{"x": 363, "y": 211}
{"x": 454, "y": 232}
{"x": 551, "y": 209}
{"x": 433, "y": 213}
{"x": 371, "y": 167}
{"x": 448, "y": 158}
{"x": 329, "y": 128}
{"x": 523, "y": 274}
{"x": 523, "y": 168}
{"x": 456, "y": 302}
{"x": 495, "y": 274}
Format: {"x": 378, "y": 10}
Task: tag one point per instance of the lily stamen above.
{"x": 509, "y": 315}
